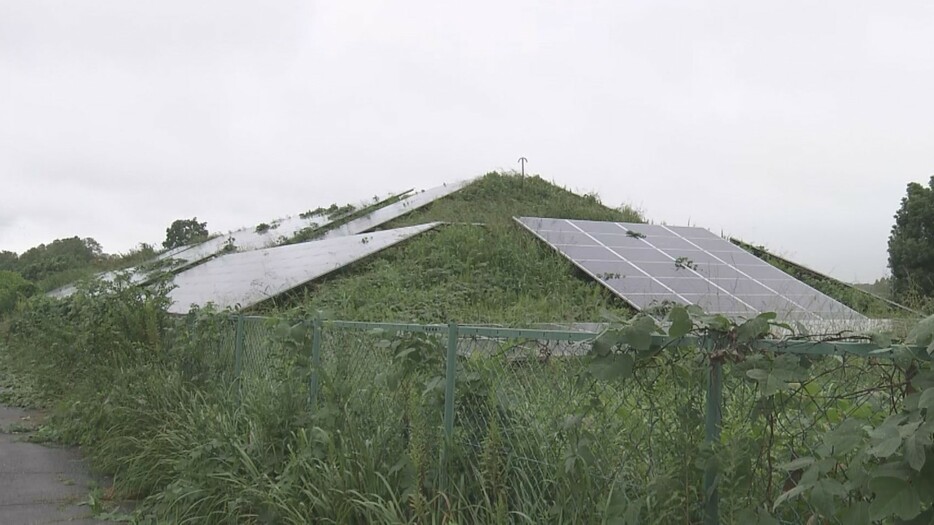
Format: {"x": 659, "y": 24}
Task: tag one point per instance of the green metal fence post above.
{"x": 712, "y": 431}
{"x": 450, "y": 377}
{"x": 238, "y": 354}
{"x": 315, "y": 362}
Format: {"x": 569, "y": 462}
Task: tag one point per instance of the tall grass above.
{"x": 481, "y": 268}
{"x": 155, "y": 402}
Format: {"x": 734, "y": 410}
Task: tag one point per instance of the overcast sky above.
{"x": 792, "y": 124}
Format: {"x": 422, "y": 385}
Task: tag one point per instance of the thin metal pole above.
{"x": 238, "y": 355}
{"x": 315, "y": 362}
{"x": 450, "y": 377}
{"x": 712, "y": 431}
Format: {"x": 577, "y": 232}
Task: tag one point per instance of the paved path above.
{"x": 39, "y": 484}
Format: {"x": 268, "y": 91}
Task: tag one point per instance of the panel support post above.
{"x": 712, "y": 430}
{"x": 313, "y": 382}
{"x": 450, "y": 376}
{"x": 239, "y": 339}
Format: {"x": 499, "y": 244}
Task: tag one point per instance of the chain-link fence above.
{"x": 520, "y": 426}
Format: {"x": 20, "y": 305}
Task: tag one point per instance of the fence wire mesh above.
{"x": 530, "y": 436}
{"x": 777, "y": 408}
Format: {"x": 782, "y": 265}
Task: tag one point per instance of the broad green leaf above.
{"x": 893, "y": 497}
{"x": 797, "y": 464}
{"x": 638, "y": 339}
{"x": 752, "y": 329}
{"x": 927, "y": 399}
{"x": 925, "y": 518}
{"x": 856, "y": 514}
{"x": 914, "y": 452}
{"x": 681, "y": 323}
{"x": 894, "y": 469}
{"x": 694, "y": 310}
{"x": 886, "y": 447}
{"x": 833, "y": 487}
{"x": 923, "y": 333}
{"x": 639, "y": 334}
{"x": 605, "y": 342}
{"x": 908, "y": 429}
{"x": 794, "y": 492}
{"x": 822, "y": 500}
{"x": 613, "y": 367}
{"x": 758, "y": 374}
{"x": 774, "y": 385}
{"x": 719, "y": 323}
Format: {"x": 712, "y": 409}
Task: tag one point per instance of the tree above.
{"x": 911, "y": 244}
{"x": 9, "y": 261}
{"x": 12, "y": 288}
{"x": 184, "y": 231}
{"x": 58, "y": 256}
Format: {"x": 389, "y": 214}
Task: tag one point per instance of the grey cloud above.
{"x": 794, "y": 125}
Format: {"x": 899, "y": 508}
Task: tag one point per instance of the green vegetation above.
{"x": 211, "y": 418}
{"x": 13, "y": 288}
{"x": 911, "y": 244}
{"x": 185, "y": 231}
{"x": 64, "y": 261}
{"x": 47, "y": 261}
{"x": 338, "y": 216}
{"x": 481, "y": 268}
{"x": 542, "y": 432}
{"x": 881, "y": 287}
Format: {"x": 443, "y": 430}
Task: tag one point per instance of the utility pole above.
{"x": 522, "y": 161}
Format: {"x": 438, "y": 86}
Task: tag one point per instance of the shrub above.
{"x": 13, "y": 287}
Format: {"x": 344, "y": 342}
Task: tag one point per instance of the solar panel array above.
{"x": 649, "y": 264}
{"x": 247, "y": 239}
{"x": 247, "y": 278}
{"x": 244, "y": 239}
{"x": 395, "y": 210}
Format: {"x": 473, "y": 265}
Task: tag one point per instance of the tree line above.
{"x": 49, "y": 266}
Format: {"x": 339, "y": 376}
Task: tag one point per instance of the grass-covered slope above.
{"x": 496, "y": 272}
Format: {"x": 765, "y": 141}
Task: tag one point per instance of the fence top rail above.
{"x": 792, "y": 346}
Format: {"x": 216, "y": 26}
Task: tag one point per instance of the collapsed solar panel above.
{"x": 247, "y": 239}
{"x": 647, "y": 265}
{"x": 247, "y": 278}
{"x": 395, "y": 210}
{"x": 244, "y": 239}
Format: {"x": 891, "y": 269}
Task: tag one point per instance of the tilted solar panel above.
{"x": 246, "y": 278}
{"x": 395, "y": 210}
{"x": 648, "y": 264}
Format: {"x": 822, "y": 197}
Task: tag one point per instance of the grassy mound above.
{"x": 480, "y": 268}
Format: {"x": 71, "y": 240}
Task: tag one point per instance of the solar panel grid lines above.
{"x": 622, "y": 258}
{"x": 737, "y": 266}
{"x": 689, "y": 267}
{"x": 646, "y": 264}
{"x": 246, "y": 278}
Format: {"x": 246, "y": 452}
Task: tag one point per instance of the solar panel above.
{"x": 395, "y": 210}
{"x": 247, "y": 239}
{"x": 247, "y": 278}
{"x": 648, "y": 264}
